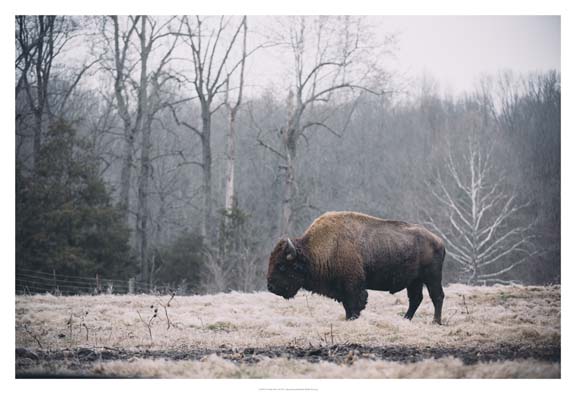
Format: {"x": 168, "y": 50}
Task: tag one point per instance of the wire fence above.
{"x": 39, "y": 282}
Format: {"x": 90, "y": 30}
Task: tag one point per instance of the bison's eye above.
{"x": 282, "y": 268}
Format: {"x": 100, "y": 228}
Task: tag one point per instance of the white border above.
{"x": 267, "y": 7}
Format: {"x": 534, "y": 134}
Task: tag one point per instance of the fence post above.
{"x": 56, "y": 289}
{"x": 98, "y": 290}
{"x": 131, "y": 286}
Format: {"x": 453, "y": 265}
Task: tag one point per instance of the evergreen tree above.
{"x": 181, "y": 263}
{"x": 65, "y": 220}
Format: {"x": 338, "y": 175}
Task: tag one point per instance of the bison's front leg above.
{"x": 355, "y": 300}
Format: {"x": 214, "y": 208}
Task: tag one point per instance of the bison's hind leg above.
{"x": 433, "y": 281}
{"x": 437, "y": 296}
{"x": 414, "y": 297}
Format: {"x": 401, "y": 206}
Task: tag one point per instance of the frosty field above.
{"x": 488, "y": 332}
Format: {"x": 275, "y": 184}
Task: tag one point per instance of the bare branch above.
{"x": 224, "y": 61}
{"x": 321, "y": 124}
{"x": 512, "y": 249}
{"x": 75, "y": 82}
{"x": 496, "y": 244}
{"x": 260, "y": 142}
{"x": 183, "y": 123}
{"x": 450, "y": 203}
{"x": 317, "y": 96}
{"x": 317, "y": 69}
{"x": 509, "y": 268}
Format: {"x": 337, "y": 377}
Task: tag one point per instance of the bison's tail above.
{"x": 440, "y": 255}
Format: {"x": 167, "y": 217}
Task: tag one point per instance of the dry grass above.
{"x": 473, "y": 316}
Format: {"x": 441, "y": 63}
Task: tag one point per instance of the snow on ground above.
{"x": 472, "y": 316}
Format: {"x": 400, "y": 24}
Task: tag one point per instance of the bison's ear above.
{"x": 291, "y": 250}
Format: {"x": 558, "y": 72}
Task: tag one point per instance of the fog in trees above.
{"x": 147, "y": 147}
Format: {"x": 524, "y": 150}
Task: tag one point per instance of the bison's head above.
{"x": 286, "y": 269}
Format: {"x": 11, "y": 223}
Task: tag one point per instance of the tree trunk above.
{"x": 206, "y": 227}
{"x": 126, "y": 172}
{"x": 129, "y": 131}
{"x": 42, "y": 79}
{"x": 37, "y": 139}
{"x": 144, "y": 123}
{"x": 289, "y": 140}
{"x": 143, "y": 211}
{"x": 230, "y": 194}
{"x": 230, "y": 197}
{"x": 229, "y": 240}
{"x": 229, "y": 229}
{"x": 286, "y": 222}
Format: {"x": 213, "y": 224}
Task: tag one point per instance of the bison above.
{"x": 343, "y": 254}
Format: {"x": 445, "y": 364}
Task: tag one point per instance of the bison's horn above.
{"x": 291, "y": 249}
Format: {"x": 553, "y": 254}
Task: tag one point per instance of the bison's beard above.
{"x": 286, "y": 291}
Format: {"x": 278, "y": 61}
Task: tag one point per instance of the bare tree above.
{"x": 230, "y": 194}
{"x": 212, "y": 54}
{"x": 326, "y": 55}
{"x": 150, "y": 102}
{"x": 216, "y": 275}
{"x": 40, "y": 41}
{"x": 121, "y": 42}
{"x": 483, "y": 228}
{"x": 249, "y": 273}
{"x": 138, "y": 117}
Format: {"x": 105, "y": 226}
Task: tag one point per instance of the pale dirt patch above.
{"x": 525, "y": 316}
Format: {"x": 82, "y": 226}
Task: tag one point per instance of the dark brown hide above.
{"x": 343, "y": 254}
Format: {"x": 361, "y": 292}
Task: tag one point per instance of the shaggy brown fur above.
{"x": 342, "y": 254}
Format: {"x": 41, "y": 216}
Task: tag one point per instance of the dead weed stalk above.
{"x": 148, "y": 323}
{"x": 34, "y": 336}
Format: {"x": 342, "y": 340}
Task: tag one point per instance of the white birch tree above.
{"x": 482, "y": 222}
{"x": 230, "y": 193}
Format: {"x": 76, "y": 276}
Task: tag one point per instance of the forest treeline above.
{"x": 131, "y": 162}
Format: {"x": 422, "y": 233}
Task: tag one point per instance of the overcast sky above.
{"x": 454, "y": 50}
